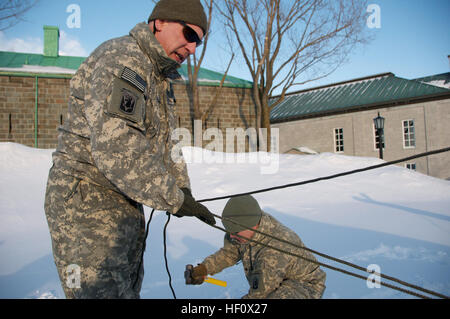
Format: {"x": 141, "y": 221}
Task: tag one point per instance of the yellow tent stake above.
{"x": 216, "y": 282}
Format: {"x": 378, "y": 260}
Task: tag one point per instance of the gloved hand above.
{"x": 195, "y": 275}
{"x": 191, "y": 207}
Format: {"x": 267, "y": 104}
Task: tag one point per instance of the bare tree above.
{"x": 12, "y": 11}
{"x": 286, "y": 43}
{"x": 193, "y": 67}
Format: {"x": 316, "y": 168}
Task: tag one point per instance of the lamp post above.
{"x": 379, "y": 126}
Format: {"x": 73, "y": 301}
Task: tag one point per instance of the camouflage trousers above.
{"x": 292, "y": 289}
{"x": 97, "y": 237}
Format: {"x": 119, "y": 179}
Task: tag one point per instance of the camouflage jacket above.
{"x": 121, "y": 114}
{"x": 266, "y": 268}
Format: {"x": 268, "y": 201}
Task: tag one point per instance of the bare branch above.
{"x": 292, "y": 42}
{"x": 194, "y": 67}
{"x": 12, "y": 12}
{"x": 217, "y": 93}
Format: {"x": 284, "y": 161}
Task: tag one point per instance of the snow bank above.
{"x": 391, "y": 216}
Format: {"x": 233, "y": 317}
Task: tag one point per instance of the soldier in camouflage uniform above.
{"x": 114, "y": 154}
{"x": 270, "y": 273}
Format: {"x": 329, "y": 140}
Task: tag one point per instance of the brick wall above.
{"x": 17, "y": 97}
{"x": 234, "y": 109}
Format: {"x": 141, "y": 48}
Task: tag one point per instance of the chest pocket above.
{"x": 171, "y": 103}
{"x": 171, "y": 100}
{"x": 154, "y": 108}
{"x": 161, "y": 110}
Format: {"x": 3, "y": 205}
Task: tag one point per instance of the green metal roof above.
{"x": 350, "y": 95}
{"x": 442, "y": 80}
{"x": 14, "y": 60}
{"x": 18, "y": 60}
{"x": 211, "y": 78}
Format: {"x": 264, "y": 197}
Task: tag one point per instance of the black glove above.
{"x": 195, "y": 275}
{"x": 191, "y": 207}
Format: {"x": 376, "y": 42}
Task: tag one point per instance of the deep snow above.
{"x": 392, "y": 217}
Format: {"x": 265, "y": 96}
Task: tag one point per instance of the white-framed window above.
{"x": 377, "y": 139}
{"x": 339, "y": 140}
{"x": 409, "y": 134}
{"x": 411, "y": 166}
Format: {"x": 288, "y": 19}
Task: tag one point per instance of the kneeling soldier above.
{"x": 270, "y": 273}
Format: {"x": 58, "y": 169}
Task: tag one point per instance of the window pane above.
{"x": 339, "y": 139}
{"x": 408, "y": 133}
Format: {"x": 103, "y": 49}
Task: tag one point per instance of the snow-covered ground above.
{"x": 392, "y": 217}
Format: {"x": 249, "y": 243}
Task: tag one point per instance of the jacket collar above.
{"x": 148, "y": 43}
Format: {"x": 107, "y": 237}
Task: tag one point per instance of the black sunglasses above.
{"x": 190, "y": 35}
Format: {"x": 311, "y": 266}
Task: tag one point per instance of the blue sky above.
{"x": 412, "y": 41}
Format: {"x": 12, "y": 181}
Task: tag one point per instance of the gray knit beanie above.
{"x": 189, "y": 11}
{"x": 244, "y": 210}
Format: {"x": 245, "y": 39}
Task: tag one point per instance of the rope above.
{"x": 327, "y": 256}
{"x": 165, "y": 256}
{"x": 327, "y": 266}
{"x": 308, "y": 249}
{"x": 330, "y": 176}
{"x": 143, "y": 248}
{"x": 165, "y": 251}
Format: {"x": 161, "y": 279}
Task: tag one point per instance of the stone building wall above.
{"x": 431, "y": 132}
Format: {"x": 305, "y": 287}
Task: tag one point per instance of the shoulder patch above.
{"x": 134, "y": 79}
{"x": 127, "y": 102}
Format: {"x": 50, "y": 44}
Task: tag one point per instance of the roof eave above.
{"x": 39, "y": 75}
{"x": 365, "y": 78}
